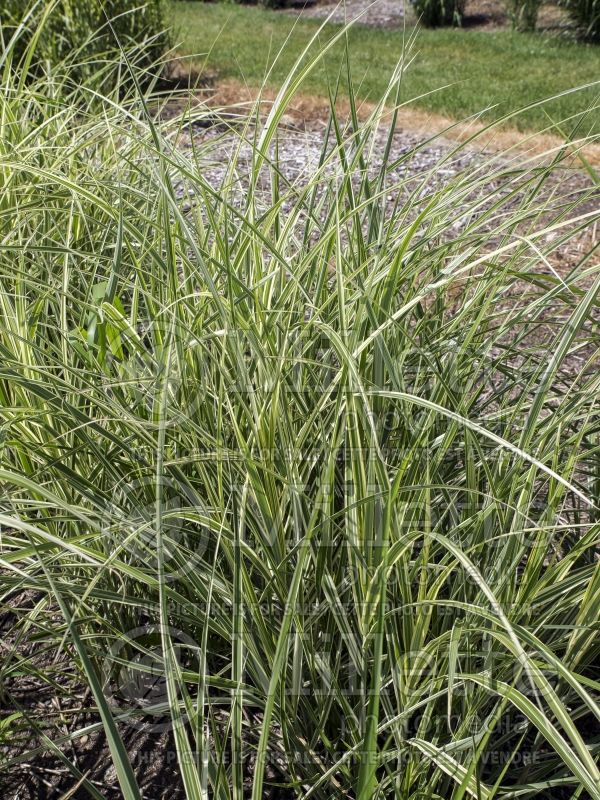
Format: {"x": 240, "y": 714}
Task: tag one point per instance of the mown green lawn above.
{"x": 478, "y": 69}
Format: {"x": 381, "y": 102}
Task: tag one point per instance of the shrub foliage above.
{"x": 90, "y": 29}
{"x": 437, "y": 13}
{"x": 523, "y": 14}
{"x": 587, "y": 14}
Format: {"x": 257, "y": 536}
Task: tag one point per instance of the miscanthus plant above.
{"x": 43, "y": 32}
{"x": 301, "y": 475}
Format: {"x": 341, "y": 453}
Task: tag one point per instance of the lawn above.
{"x": 479, "y": 69}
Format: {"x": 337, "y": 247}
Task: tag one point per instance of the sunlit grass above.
{"x": 314, "y": 457}
{"x": 455, "y": 72}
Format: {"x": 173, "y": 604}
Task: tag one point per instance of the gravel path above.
{"x": 418, "y": 168}
{"x": 379, "y": 14}
{"x": 413, "y": 160}
{"x": 300, "y": 150}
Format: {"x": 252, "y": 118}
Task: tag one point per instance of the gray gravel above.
{"x": 379, "y": 14}
{"x": 411, "y": 156}
{"x": 417, "y": 168}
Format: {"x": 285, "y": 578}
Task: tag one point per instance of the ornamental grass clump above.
{"x": 523, "y": 14}
{"x": 87, "y": 32}
{"x": 586, "y": 14}
{"x": 439, "y": 13}
{"x": 298, "y": 474}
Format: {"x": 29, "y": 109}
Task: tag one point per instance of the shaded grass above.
{"x": 504, "y": 69}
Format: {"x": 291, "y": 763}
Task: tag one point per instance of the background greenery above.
{"x": 87, "y": 31}
{"x": 303, "y": 473}
{"x": 587, "y": 15}
{"x": 454, "y": 72}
